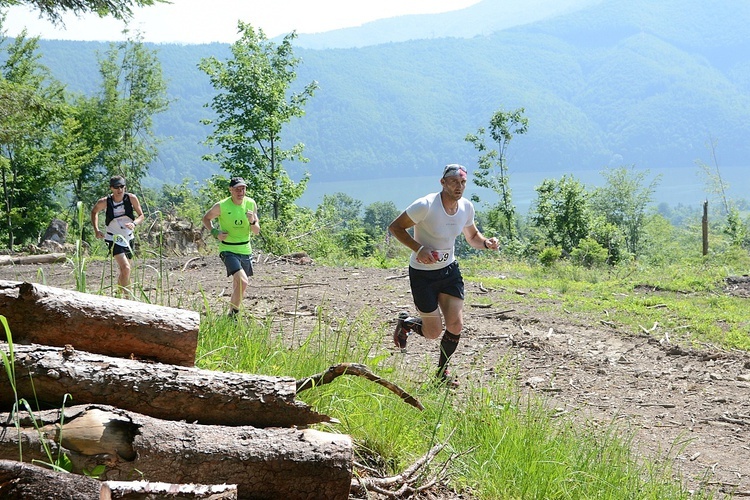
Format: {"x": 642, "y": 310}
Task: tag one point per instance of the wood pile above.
{"x": 111, "y": 384}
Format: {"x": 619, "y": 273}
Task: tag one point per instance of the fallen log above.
{"x": 27, "y": 481}
{"x": 263, "y": 463}
{"x": 47, "y": 258}
{"x": 94, "y": 323}
{"x": 45, "y": 374}
{"x": 144, "y": 490}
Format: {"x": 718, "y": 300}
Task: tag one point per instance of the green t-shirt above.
{"x": 233, "y": 221}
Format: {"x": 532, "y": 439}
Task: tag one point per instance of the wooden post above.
{"x": 705, "y": 227}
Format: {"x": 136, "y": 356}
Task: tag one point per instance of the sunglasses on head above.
{"x": 452, "y": 169}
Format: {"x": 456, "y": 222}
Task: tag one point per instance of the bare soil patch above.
{"x": 689, "y": 405}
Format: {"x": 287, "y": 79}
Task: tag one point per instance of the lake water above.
{"x": 677, "y": 185}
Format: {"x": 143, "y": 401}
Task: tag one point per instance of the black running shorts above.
{"x": 426, "y": 285}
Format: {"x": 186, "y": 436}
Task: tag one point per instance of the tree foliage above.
{"x": 32, "y": 109}
{"x": 47, "y": 142}
{"x": 252, "y": 105}
{"x": 623, "y": 201}
{"x": 492, "y": 169}
{"x": 561, "y": 212}
{"x": 117, "y": 121}
{"x": 54, "y": 9}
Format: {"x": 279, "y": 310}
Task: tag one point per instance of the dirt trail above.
{"x": 692, "y": 404}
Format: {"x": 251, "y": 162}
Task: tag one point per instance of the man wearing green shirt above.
{"x": 237, "y": 215}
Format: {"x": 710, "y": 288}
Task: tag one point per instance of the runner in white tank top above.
{"x": 435, "y": 279}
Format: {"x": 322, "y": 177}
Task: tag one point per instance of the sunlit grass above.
{"x": 682, "y": 301}
{"x": 502, "y": 444}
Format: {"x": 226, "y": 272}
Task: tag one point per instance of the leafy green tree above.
{"x": 492, "y": 170}
{"x": 32, "y": 108}
{"x": 355, "y": 241}
{"x": 117, "y": 122}
{"x": 180, "y": 200}
{"x": 561, "y": 213}
{"x": 252, "y": 104}
{"x": 589, "y": 253}
{"x": 735, "y": 228}
{"x": 379, "y": 215}
{"x": 623, "y": 200}
{"x": 340, "y": 210}
{"x": 54, "y": 9}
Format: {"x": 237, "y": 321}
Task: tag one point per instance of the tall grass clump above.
{"x": 523, "y": 449}
{"x": 60, "y": 462}
{"x": 78, "y": 260}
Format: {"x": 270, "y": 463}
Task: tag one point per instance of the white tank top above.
{"x": 116, "y": 230}
{"x": 437, "y": 230}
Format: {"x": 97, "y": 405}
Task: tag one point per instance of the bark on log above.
{"x": 143, "y": 490}
{"x": 45, "y": 374}
{"x": 264, "y": 463}
{"x": 46, "y": 258}
{"x": 114, "y": 327}
{"x": 19, "y": 480}
{"x": 25, "y": 481}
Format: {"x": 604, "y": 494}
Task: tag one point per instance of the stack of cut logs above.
{"x": 111, "y": 383}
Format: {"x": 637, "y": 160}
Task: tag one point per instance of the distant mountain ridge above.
{"x": 613, "y": 82}
{"x": 483, "y": 18}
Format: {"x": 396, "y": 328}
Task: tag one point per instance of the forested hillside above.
{"x": 620, "y": 82}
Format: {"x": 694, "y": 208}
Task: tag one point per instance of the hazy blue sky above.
{"x": 204, "y": 21}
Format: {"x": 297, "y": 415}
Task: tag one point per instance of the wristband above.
{"x": 214, "y": 232}
{"x": 485, "y": 243}
{"x": 420, "y": 249}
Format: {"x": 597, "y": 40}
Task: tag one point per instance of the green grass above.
{"x": 686, "y": 301}
{"x": 501, "y": 444}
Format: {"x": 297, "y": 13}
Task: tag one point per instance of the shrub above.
{"x": 550, "y": 255}
{"x": 589, "y": 253}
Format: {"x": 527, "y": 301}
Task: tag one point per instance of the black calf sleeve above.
{"x": 448, "y": 345}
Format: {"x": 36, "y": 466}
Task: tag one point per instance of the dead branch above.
{"x": 47, "y": 258}
{"x": 404, "y": 485}
{"x": 496, "y": 313}
{"x": 190, "y": 261}
{"x": 397, "y": 277}
{"x": 359, "y": 370}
